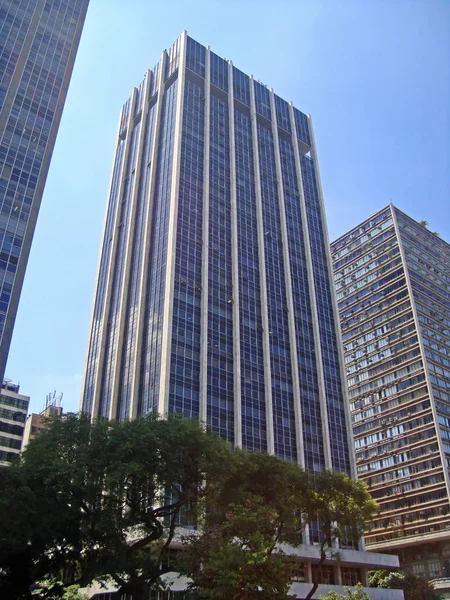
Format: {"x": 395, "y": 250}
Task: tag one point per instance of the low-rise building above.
{"x": 13, "y": 413}
{"x": 37, "y": 422}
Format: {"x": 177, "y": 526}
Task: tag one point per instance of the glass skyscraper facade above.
{"x": 214, "y": 295}
{"x": 38, "y": 44}
{"x": 392, "y": 280}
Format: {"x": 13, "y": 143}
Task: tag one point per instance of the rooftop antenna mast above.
{"x": 53, "y": 399}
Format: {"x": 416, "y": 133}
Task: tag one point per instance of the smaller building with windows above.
{"x": 36, "y": 423}
{"x": 13, "y": 413}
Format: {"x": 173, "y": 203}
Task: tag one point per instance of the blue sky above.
{"x": 374, "y": 75}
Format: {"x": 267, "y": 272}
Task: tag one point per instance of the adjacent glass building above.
{"x": 392, "y": 280}
{"x": 214, "y": 295}
{"x": 38, "y": 45}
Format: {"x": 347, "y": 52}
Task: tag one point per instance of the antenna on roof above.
{"x": 53, "y": 399}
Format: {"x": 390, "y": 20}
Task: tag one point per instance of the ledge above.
{"x": 371, "y": 560}
{"x": 413, "y": 540}
{"x": 297, "y": 590}
{"x": 301, "y": 590}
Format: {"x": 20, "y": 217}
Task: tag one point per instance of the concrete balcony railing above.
{"x": 298, "y": 590}
{"x": 442, "y": 586}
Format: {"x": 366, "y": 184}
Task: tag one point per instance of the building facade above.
{"x": 38, "y": 44}
{"x": 13, "y": 412}
{"x": 214, "y": 294}
{"x": 36, "y": 423}
{"x": 392, "y": 280}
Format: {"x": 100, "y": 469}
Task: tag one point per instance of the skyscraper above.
{"x": 393, "y": 283}
{"x": 38, "y": 44}
{"x": 215, "y": 295}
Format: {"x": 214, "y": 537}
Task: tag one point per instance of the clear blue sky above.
{"x": 374, "y": 75}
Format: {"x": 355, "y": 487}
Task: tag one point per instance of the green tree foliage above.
{"x": 356, "y": 594}
{"x": 24, "y": 531}
{"x": 424, "y": 224}
{"x": 236, "y": 561}
{"x": 260, "y": 504}
{"x": 342, "y": 506}
{"x": 53, "y": 589}
{"x": 413, "y": 586}
{"x": 103, "y": 500}
{"x": 263, "y": 503}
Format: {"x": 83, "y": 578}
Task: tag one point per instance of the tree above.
{"x": 413, "y": 586}
{"x": 52, "y": 589}
{"x": 236, "y": 561}
{"x": 357, "y": 594}
{"x": 424, "y": 224}
{"x": 260, "y": 504}
{"x": 265, "y": 502}
{"x": 102, "y": 501}
{"x": 341, "y": 506}
{"x": 105, "y": 499}
{"x": 23, "y": 530}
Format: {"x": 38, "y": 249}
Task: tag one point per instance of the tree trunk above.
{"x": 20, "y": 577}
{"x": 313, "y": 590}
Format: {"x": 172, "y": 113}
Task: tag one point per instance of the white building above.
{"x": 13, "y": 412}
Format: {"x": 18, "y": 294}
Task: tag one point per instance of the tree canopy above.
{"x": 262, "y": 503}
{"x": 265, "y": 502}
{"x": 102, "y": 501}
{"x": 357, "y": 594}
{"x": 53, "y": 589}
{"x": 342, "y": 506}
{"x": 414, "y": 587}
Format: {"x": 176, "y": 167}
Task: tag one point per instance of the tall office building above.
{"x": 215, "y": 295}
{"x": 38, "y": 44}
{"x": 13, "y": 412}
{"x": 393, "y": 281}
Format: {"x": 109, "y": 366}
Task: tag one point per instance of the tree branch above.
{"x": 155, "y": 535}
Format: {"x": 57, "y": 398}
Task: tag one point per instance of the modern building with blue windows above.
{"x": 215, "y": 296}
{"x": 392, "y": 280}
{"x": 38, "y": 44}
